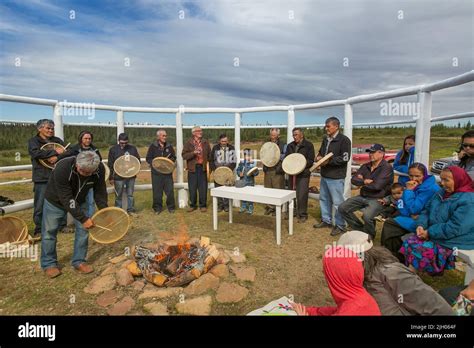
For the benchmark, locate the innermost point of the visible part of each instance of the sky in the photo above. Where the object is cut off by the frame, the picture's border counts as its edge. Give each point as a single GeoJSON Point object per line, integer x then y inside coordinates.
{"type": "Point", "coordinates": [209, 53]}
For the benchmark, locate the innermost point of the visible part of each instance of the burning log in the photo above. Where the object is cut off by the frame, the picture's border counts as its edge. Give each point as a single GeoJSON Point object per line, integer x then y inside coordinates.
{"type": "Point", "coordinates": [181, 279]}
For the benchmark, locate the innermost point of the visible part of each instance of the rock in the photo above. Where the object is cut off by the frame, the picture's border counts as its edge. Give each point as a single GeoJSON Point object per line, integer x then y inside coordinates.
{"type": "Point", "coordinates": [160, 293]}
{"type": "Point", "coordinates": [202, 284]}
{"type": "Point", "coordinates": [220, 270]}
{"type": "Point", "coordinates": [195, 306]}
{"type": "Point", "coordinates": [223, 258]}
{"type": "Point", "coordinates": [101, 284]}
{"type": "Point", "coordinates": [236, 257]}
{"type": "Point", "coordinates": [230, 293]}
{"type": "Point", "coordinates": [138, 285]}
{"type": "Point", "coordinates": [122, 307]}
{"type": "Point", "coordinates": [118, 259]}
{"type": "Point", "coordinates": [107, 298]}
{"type": "Point", "coordinates": [126, 263]}
{"type": "Point", "coordinates": [108, 270]}
{"type": "Point", "coordinates": [244, 273]}
{"type": "Point", "coordinates": [156, 308]}
{"type": "Point", "coordinates": [124, 277]}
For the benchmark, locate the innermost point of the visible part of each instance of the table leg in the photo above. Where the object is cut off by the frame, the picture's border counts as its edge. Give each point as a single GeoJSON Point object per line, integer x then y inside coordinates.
{"type": "Point", "coordinates": [278, 224]}
{"type": "Point", "coordinates": [230, 210]}
{"type": "Point", "coordinates": [214, 212]}
{"type": "Point", "coordinates": [290, 217]}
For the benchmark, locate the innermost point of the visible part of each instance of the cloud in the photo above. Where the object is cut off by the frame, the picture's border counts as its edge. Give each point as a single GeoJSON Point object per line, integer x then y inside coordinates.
{"type": "Point", "coordinates": [288, 52]}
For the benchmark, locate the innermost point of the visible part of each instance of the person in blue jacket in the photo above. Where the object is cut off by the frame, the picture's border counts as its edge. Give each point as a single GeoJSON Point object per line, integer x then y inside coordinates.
{"type": "Point", "coordinates": [419, 190]}
{"type": "Point", "coordinates": [242, 170]}
{"type": "Point", "coordinates": [405, 158]}
{"type": "Point", "coordinates": [445, 225]}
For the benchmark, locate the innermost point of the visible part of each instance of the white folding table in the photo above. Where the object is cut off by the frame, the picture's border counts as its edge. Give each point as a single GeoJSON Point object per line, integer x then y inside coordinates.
{"type": "Point", "coordinates": [256, 194]}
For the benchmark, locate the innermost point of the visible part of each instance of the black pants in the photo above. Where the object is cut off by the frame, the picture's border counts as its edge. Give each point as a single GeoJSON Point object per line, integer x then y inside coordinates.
{"type": "Point", "coordinates": [302, 191]}
{"type": "Point", "coordinates": [162, 183]}
{"type": "Point", "coordinates": [222, 203]}
{"type": "Point", "coordinates": [392, 234]}
{"type": "Point", "coordinates": [197, 181]}
{"type": "Point", "coordinates": [451, 293]}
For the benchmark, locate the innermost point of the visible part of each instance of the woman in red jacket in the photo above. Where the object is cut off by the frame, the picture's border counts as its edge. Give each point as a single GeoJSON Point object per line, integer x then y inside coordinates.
{"type": "Point", "coordinates": [344, 274]}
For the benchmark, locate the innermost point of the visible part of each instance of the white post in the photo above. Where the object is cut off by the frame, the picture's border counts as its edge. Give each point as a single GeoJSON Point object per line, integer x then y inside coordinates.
{"type": "Point", "coordinates": [348, 116]}
{"type": "Point", "coordinates": [237, 124]}
{"type": "Point", "coordinates": [290, 124]}
{"type": "Point", "coordinates": [423, 128]}
{"type": "Point", "coordinates": [120, 122]}
{"type": "Point", "coordinates": [58, 122]}
{"type": "Point", "coordinates": [182, 193]}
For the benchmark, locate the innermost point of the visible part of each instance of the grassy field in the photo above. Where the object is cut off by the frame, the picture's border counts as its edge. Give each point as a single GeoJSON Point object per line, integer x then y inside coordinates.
{"type": "Point", "coordinates": [294, 268]}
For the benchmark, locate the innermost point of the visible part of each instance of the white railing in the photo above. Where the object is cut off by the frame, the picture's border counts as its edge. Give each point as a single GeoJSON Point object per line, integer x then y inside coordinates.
{"type": "Point", "coordinates": [423, 120]}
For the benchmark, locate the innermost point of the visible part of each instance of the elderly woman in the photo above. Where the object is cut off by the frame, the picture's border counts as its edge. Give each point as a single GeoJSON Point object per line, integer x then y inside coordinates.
{"type": "Point", "coordinates": [345, 276]}
{"type": "Point", "coordinates": [446, 224]}
{"type": "Point", "coordinates": [419, 190]}
{"type": "Point", "coordinates": [396, 289]}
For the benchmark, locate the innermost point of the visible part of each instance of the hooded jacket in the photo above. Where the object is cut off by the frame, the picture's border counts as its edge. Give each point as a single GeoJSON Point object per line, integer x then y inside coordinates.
{"type": "Point", "coordinates": [67, 189]}
{"type": "Point", "coordinates": [413, 202]}
{"type": "Point", "coordinates": [345, 277]}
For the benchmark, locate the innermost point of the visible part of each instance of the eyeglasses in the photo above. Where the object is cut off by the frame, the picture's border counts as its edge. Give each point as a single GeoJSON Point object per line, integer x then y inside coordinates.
{"type": "Point", "coordinates": [468, 145]}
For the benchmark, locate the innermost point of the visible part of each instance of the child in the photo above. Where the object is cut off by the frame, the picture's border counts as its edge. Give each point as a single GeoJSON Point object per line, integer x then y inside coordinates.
{"type": "Point", "coordinates": [242, 170]}
{"type": "Point", "coordinates": [391, 202]}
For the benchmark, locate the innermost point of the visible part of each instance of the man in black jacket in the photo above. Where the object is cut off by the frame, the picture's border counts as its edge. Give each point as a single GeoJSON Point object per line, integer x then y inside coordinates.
{"type": "Point", "coordinates": [116, 151]}
{"type": "Point", "coordinates": [40, 173]}
{"type": "Point", "coordinates": [275, 176]}
{"type": "Point", "coordinates": [333, 174]}
{"type": "Point", "coordinates": [161, 182]}
{"type": "Point", "coordinates": [300, 183]}
{"type": "Point", "coordinates": [222, 155]}
{"type": "Point", "coordinates": [374, 179]}
{"type": "Point", "coordinates": [84, 143]}
{"type": "Point", "coordinates": [66, 192]}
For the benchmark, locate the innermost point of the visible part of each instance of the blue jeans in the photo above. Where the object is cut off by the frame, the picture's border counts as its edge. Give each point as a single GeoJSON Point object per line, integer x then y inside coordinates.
{"type": "Point", "coordinates": [90, 203]}
{"type": "Point", "coordinates": [369, 207]}
{"type": "Point", "coordinates": [331, 195]}
{"type": "Point", "coordinates": [129, 186]}
{"type": "Point", "coordinates": [247, 206]}
{"type": "Point", "coordinates": [39, 188]}
{"type": "Point", "coordinates": [52, 217]}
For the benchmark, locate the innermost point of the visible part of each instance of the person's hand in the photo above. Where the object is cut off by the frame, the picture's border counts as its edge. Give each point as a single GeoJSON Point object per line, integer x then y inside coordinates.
{"type": "Point", "coordinates": [410, 185]}
{"type": "Point", "coordinates": [381, 201]}
{"type": "Point", "coordinates": [368, 181]}
{"type": "Point", "coordinates": [461, 154]}
{"type": "Point", "coordinates": [299, 308]}
{"type": "Point", "coordinates": [59, 150]}
{"type": "Point", "coordinates": [421, 233]}
{"type": "Point", "coordinates": [88, 224]}
{"type": "Point", "coordinates": [53, 159]}
{"type": "Point", "coordinates": [359, 176]}
{"type": "Point", "coordinates": [111, 181]}
{"type": "Point", "coordinates": [242, 174]}
{"type": "Point", "coordinates": [469, 291]}
{"type": "Point", "coordinates": [318, 157]}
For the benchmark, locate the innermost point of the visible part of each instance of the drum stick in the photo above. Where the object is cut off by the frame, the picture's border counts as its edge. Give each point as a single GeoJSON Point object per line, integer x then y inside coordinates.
{"type": "Point", "coordinates": [104, 228]}
{"type": "Point", "coordinates": [65, 147]}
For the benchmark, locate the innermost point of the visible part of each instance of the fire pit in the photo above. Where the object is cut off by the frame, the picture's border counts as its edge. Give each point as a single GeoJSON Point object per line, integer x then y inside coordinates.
{"type": "Point", "coordinates": [174, 265]}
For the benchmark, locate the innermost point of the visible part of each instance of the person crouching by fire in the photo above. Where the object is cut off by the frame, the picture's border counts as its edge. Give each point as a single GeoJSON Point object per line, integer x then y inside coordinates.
{"type": "Point", "coordinates": [66, 192]}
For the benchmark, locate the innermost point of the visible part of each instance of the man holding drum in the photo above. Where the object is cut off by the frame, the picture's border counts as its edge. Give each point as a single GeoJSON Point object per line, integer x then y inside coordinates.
{"type": "Point", "coordinates": [161, 181]}
{"type": "Point", "coordinates": [123, 148]}
{"type": "Point", "coordinates": [222, 155]}
{"type": "Point", "coordinates": [274, 176]}
{"type": "Point", "coordinates": [300, 182]}
{"type": "Point", "coordinates": [41, 173]}
{"type": "Point", "coordinates": [197, 152]}
{"type": "Point", "coordinates": [66, 192]}
{"type": "Point", "coordinates": [333, 174]}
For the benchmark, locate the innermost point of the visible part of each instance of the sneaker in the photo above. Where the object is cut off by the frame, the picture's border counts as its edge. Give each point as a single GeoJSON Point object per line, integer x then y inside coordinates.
{"type": "Point", "coordinates": [226, 209]}
{"type": "Point", "coordinates": [191, 209]}
{"type": "Point", "coordinates": [302, 220]}
{"type": "Point", "coordinates": [250, 212]}
{"type": "Point", "coordinates": [132, 213]}
{"type": "Point", "coordinates": [241, 211]}
{"type": "Point", "coordinates": [220, 209]}
{"type": "Point", "coordinates": [267, 211]}
{"type": "Point", "coordinates": [322, 224]}
{"type": "Point", "coordinates": [52, 272]}
{"type": "Point", "coordinates": [171, 211]}
{"type": "Point", "coordinates": [84, 268]}
{"type": "Point", "coordinates": [203, 210]}
{"type": "Point", "coordinates": [157, 212]}
{"type": "Point", "coordinates": [337, 231]}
